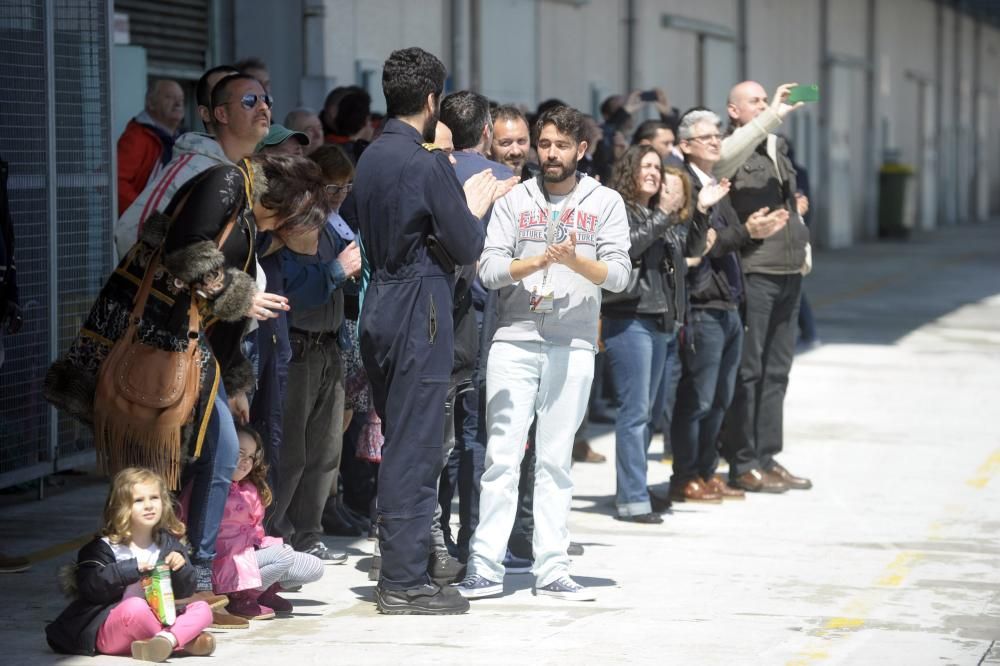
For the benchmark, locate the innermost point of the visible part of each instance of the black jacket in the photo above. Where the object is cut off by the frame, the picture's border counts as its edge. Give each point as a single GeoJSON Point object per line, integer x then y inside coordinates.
{"type": "Point", "coordinates": [757, 184]}
{"type": "Point", "coordinates": [100, 585]}
{"type": "Point", "coordinates": [717, 282]}
{"type": "Point", "coordinates": [8, 273]}
{"type": "Point", "coordinates": [659, 246]}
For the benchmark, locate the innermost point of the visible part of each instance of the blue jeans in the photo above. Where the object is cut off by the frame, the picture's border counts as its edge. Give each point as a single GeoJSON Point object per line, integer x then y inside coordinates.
{"type": "Point", "coordinates": [636, 350]}
{"type": "Point", "coordinates": [210, 477]}
{"type": "Point", "coordinates": [711, 359]}
{"type": "Point", "coordinates": [665, 392]}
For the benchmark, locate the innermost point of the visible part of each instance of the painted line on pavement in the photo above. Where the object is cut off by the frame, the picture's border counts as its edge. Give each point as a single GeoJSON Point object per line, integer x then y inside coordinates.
{"type": "Point", "coordinates": [986, 471]}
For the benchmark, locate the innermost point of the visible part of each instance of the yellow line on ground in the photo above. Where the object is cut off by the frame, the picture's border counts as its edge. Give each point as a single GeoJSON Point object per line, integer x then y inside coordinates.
{"type": "Point", "coordinates": [59, 549]}
{"type": "Point", "coordinates": [986, 471]}
{"type": "Point", "coordinates": [898, 569]}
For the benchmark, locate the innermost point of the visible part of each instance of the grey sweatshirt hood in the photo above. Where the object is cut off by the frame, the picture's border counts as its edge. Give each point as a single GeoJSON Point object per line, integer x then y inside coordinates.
{"type": "Point", "coordinates": [517, 230]}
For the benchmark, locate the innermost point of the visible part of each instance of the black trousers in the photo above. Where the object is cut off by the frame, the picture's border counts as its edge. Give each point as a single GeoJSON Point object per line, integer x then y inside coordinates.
{"type": "Point", "coordinates": [752, 430]}
{"type": "Point", "coordinates": [407, 344]}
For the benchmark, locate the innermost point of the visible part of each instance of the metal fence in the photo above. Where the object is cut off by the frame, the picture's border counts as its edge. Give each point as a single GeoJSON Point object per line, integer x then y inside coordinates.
{"type": "Point", "coordinates": [55, 135]}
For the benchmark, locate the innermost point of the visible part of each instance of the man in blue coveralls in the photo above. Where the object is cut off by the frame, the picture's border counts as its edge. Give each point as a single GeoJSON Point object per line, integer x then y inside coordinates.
{"type": "Point", "coordinates": [415, 227]}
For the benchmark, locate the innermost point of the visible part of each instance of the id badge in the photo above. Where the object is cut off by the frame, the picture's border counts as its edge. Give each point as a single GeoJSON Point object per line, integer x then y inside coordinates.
{"type": "Point", "coordinates": [540, 301]}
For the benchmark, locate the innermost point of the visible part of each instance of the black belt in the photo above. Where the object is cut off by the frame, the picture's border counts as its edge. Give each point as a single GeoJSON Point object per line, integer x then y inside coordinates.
{"type": "Point", "coordinates": [315, 337]}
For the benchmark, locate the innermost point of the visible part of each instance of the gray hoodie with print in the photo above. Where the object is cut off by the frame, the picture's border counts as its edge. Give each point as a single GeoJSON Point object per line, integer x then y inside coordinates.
{"type": "Point", "coordinates": [517, 230]}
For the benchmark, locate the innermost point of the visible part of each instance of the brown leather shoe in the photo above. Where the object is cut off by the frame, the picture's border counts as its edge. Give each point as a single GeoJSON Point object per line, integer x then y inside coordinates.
{"type": "Point", "coordinates": [694, 491]}
{"type": "Point", "coordinates": [583, 453]}
{"type": "Point", "coordinates": [224, 620]}
{"type": "Point", "coordinates": [792, 481]}
{"type": "Point", "coordinates": [203, 645]}
{"type": "Point", "coordinates": [215, 601]}
{"type": "Point", "coordinates": [720, 487]}
{"type": "Point", "coordinates": [756, 481]}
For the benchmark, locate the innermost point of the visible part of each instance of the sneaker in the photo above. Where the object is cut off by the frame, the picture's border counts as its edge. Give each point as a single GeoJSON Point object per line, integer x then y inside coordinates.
{"type": "Point", "coordinates": [444, 568]}
{"type": "Point", "coordinates": [566, 588]}
{"type": "Point", "coordinates": [270, 598]}
{"type": "Point", "coordinates": [326, 555]}
{"type": "Point", "coordinates": [156, 649]}
{"type": "Point", "coordinates": [203, 645]}
{"type": "Point", "coordinates": [516, 565]}
{"type": "Point", "coordinates": [423, 600]}
{"type": "Point", "coordinates": [477, 587]}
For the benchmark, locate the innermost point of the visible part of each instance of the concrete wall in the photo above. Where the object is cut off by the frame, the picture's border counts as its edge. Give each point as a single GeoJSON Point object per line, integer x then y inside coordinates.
{"type": "Point", "coordinates": [924, 101]}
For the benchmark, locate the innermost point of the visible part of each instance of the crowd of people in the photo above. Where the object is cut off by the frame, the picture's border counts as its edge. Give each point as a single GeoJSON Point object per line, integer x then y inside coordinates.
{"type": "Point", "coordinates": [383, 312]}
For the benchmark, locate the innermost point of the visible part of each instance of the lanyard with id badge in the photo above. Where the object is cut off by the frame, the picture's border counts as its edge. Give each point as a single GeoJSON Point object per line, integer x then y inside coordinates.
{"type": "Point", "coordinates": [541, 299]}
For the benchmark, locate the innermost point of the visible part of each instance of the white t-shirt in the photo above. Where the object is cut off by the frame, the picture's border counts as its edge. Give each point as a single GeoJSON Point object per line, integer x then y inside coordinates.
{"type": "Point", "coordinates": [143, 556]}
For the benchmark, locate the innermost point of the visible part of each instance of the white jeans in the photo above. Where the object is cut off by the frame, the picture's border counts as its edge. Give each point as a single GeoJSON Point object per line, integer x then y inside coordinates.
{"type": "Point", "coordinates": [528, 382]}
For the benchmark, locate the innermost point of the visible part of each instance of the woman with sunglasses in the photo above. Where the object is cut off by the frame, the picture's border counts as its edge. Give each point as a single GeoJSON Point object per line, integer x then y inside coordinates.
{"type": "Point", "coordinates": [639, 324]}
{"type": "Point", "coordinates": [202, 248]}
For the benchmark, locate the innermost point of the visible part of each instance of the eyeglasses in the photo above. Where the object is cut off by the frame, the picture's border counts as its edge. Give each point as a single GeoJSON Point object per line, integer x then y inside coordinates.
{"type": "Point", "coordinates": [337, 189]}
{"type": "Point", "coordinates": [706, 138]}
{"type": "Point", "coordinates": [249, 101]}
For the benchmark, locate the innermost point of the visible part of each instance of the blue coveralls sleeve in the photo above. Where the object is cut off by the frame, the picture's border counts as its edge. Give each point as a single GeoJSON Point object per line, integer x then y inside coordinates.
{"type": "Point", "coordinates": [501, 242]}
{"type": "Point", "coordinates": [458, 231]}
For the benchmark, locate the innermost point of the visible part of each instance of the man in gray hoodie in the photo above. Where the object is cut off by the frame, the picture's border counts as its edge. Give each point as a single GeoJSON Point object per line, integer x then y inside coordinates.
{"type": "Point", "coordinates": [552, 244]}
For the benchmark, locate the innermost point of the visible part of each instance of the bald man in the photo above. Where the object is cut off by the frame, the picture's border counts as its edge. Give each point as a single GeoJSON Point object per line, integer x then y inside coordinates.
{"type": "Point", "coordinates": [147, 143]}
{"type": "Point", "coordinates": [762, 177]}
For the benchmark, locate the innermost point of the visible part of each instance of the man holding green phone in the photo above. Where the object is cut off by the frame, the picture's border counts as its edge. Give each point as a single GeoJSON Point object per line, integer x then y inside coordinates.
{"type": "Point", "coordinates": [798, 94]}
{"type": "Point", "coordinates": [762, 177]}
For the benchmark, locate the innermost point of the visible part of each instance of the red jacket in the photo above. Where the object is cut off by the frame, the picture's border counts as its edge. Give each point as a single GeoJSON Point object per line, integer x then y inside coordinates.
{"type": "Point", "coordinates": [140, 154]}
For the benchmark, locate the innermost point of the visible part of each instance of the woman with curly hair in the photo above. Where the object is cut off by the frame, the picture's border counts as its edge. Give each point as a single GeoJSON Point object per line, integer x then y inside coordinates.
{"type": "Point", "coordinates": [640, 323]}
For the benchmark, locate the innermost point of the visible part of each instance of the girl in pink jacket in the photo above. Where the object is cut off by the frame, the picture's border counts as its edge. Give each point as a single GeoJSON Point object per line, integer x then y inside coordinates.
{"type": "Point", "coordinates": [251, 567]}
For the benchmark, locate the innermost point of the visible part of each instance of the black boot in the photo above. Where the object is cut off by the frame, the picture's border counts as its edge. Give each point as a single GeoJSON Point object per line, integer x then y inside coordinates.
{"type": "Point", "coordinates": [428, 599]}
{"type": "Point", "coordinates": [444, 568]}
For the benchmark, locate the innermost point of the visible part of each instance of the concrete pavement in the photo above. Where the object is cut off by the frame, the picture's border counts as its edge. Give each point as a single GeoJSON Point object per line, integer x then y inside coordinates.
{"type": "Point", "coordinates": [893, 557]}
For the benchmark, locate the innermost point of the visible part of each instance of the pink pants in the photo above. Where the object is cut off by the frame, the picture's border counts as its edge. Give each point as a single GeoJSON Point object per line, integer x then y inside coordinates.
{"type": "Point", "coordinates": [134, 620]}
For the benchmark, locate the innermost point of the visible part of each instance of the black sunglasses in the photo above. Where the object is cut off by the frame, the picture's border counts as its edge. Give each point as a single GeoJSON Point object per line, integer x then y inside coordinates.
{"type": "Point", "coordinates": [249, 101]}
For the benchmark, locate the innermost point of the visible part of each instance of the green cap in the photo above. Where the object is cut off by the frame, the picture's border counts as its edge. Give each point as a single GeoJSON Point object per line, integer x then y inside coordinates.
{"type": "Point", "coordinates": [279, 134]}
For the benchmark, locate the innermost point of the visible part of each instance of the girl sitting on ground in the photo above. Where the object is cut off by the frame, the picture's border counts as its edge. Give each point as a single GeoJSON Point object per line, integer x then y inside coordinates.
{"type": "Point", "coordinates": [110, 614]}
{"type": "Point", "coordinates": [251, 567]}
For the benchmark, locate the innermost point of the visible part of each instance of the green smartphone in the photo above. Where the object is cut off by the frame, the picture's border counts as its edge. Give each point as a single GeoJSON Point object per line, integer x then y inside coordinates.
{"type": "Point", "coordinates": [808, 93]}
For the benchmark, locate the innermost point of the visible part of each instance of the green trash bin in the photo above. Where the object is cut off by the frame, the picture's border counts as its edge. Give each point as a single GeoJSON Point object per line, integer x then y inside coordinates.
{"type": "Point", "coordinates": [893, 179]}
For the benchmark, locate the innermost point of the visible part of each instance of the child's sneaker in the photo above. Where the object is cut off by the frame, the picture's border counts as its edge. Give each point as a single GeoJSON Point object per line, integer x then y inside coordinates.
{"type": "Point", "coordinates": [566, 588]}
{"type": "Point", "coordinates": [203, 645]}
{"type": "Point", "coordinates": [245, 605]}
{"type": "Point", "coordinates": [270, 598]}
{"type": "Point", "coordinates": [156, 649]}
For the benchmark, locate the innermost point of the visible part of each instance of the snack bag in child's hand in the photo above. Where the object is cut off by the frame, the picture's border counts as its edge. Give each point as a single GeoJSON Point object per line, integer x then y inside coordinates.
{"type": "Point", "coordinates": [160, 594]}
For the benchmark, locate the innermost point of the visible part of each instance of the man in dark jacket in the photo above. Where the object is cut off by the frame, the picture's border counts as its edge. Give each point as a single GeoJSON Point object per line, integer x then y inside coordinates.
{"type": "Point", "coordinates": [714, 334]}
{"type": "Point", "coordinates": [752, 432]}
{"type": "Point", "coordinates": [10, 310]}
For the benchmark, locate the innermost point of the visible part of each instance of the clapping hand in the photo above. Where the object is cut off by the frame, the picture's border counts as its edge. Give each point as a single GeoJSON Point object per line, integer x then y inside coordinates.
{"type": "Point", "coordinates": [710, 239]}
{"type": "Point", "coordinates": [765, 223]}
{"type": "Point", "coordinates": [712, 194]}
{"type": "Point", "coordinates": [481, 190]}
{"type": "Point", "coordinates": [350, 260]}
{"type": "Point", "coordinates": [562, 253]}
{"type": "Point", "coordinates": [801, 203]}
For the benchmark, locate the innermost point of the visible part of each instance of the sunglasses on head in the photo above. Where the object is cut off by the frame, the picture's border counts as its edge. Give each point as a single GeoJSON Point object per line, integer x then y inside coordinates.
{"type": "Point", "coordinates": [337, 189]}
{"type": "Point", "coordinates": [249, 101]}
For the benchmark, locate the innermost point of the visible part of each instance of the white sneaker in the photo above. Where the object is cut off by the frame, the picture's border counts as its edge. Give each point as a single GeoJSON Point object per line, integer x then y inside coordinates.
{"type": "Point", "coordinates": [566, 588]}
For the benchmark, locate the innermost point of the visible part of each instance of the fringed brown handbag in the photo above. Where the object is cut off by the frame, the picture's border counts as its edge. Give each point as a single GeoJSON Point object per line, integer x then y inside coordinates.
{"type": "Point", "coordinates": [145, 395]}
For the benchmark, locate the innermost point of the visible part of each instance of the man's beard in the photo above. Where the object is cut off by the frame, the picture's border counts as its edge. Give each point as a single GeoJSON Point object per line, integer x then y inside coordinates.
{"type": "Point", "coordinates": [430, 126]}
{"type": "Point", "coordinates": [565, 171]}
